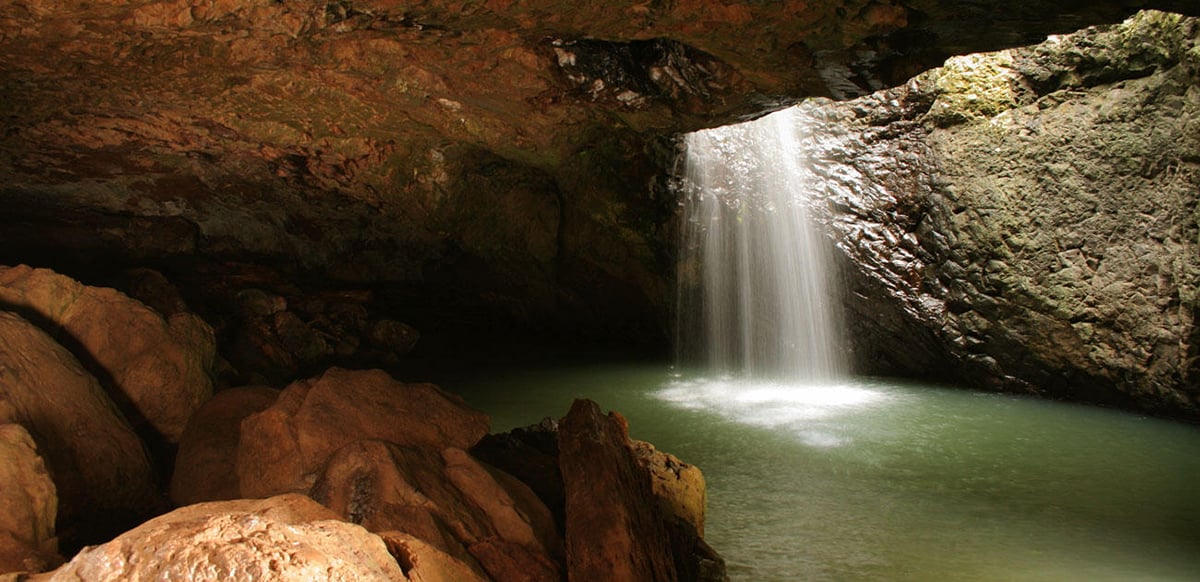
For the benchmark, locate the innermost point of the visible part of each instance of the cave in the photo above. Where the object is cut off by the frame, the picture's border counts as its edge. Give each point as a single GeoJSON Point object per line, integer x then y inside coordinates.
{"type": "Point", "coordinates": [368, 274]}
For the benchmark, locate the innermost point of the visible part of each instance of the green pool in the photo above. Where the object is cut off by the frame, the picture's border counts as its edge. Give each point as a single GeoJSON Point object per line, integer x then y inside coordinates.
{"type": "Point", "coordinates": [875, 479]}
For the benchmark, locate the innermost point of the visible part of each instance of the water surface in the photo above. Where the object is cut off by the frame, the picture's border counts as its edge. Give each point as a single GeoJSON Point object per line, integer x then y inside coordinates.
{"type": "Point", "coordinates": [882, 480]}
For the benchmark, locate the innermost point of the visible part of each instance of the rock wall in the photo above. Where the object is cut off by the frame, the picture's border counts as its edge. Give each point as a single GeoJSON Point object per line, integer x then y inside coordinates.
{"type": "Point", "coordinates": [1027, 219]}
{"type": "Point", "coordinates": [491, 161]}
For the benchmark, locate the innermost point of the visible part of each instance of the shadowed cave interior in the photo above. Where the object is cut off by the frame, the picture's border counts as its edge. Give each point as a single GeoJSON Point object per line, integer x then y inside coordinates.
{"type": "Point", "coordinates": [315, 271]}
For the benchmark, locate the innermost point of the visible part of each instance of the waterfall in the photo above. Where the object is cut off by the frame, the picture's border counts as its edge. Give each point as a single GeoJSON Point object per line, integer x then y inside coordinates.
{"type": "Point", "coordinates": [754, 274]}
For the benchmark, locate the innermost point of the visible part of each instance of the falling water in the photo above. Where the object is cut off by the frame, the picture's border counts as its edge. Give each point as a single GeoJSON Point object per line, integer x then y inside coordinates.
{"type": "Point", "coordinates": [754, 278]}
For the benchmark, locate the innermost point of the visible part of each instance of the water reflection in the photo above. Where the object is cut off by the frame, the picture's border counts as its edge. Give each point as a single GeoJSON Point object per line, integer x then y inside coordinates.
{"type": "Point", "coordinates": [815, 413]}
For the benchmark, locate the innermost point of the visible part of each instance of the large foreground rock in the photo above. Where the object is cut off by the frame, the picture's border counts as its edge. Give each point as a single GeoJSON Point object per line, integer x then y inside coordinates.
{"type": "Point", "coordinates": [28, 505]}
{"type": "Point", "coordinates": [289, 538]}
{"type": "Point", "coordinates": [158, 370]}
{"type": "Point", "coordinates": [284, 447]}
{"type": "Point", "coordinates": [99, 466]}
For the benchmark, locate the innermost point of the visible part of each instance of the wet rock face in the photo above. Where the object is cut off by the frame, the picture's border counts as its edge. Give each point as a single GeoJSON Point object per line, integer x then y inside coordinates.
{"type": "Point", "coordinates": [1029, 216]}
{"type": "Point", "coordinates": [499, 156]}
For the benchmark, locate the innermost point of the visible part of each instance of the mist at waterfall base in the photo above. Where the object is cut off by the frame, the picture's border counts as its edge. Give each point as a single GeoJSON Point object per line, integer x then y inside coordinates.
{"type": "Point", "coordinates": [816, 475]}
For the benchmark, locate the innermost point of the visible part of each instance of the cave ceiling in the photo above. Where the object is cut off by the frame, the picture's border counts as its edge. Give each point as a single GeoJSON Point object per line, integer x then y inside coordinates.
{"type": "Point", "coordinates": [508, 149]}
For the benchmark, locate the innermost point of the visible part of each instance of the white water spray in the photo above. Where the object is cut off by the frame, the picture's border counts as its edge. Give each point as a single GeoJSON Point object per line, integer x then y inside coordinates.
{"type": "Point", "coordinates": [754, 281]}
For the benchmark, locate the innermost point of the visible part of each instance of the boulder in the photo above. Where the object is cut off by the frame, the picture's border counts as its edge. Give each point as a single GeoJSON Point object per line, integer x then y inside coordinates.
{"type": "Point", "coordinates": [488, 521]}
{"type": "Point", "coordinates": [681, 495]}
{"type": "Point", "coordinates": [158, 370]}
{"type": "Point", "coordinates": [283, 447]}
{"type": "Point", "coordinates": [206, 463]}
{"type": "Point", "coordinates": [153, 289]}
{"type": "Point", "coordinates": [282, 539]}
{"type": "Point", "coordinates": [529, 454]}
{"type": "Point", "coordinates": [677, 486]}
{"type": "Point", "coordinates": [387, 488]}
{"type": "Point", "coordinates": [28, 505]}
{"type": "Point", "coordinates": [615, 530]}
{"type": "Point", "coordinates": [395, 336]}
{"type": "Point", "coordinates": [676, 490]}
{"type": "Point", "coordinates": [423, 562]}
{"type": "Point", "coordinates": [98, 465]}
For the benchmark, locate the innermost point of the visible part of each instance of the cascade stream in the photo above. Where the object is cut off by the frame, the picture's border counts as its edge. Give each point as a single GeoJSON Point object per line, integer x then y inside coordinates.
{"type": "Point", "coordinates": [755, 289]}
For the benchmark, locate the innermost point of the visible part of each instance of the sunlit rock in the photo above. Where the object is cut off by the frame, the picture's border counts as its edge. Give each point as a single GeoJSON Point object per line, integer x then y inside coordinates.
{"type": "Point", "coordinates": [678, 486]}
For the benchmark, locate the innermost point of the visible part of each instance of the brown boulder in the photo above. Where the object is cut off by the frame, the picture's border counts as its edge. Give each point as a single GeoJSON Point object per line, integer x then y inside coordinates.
{"type": "Point", "coordinates": [288, 538]}
{"type": "Point", "coordinates": [98, 465]}
{"type": "Point", "coordinates": [615, 531]}
{"type": "Point", "coordinates": [384, 487]}
{"type": "Point", "coordinates": [28, 505]}
{"type": "Point", "coordinates": [284, 447]}
{"type": "Point", "coordinates": [206, 463]}
{"type": "Point", "coordinates": [158, 370]}
{"type": "Point", "coordinates": [484, 519]}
